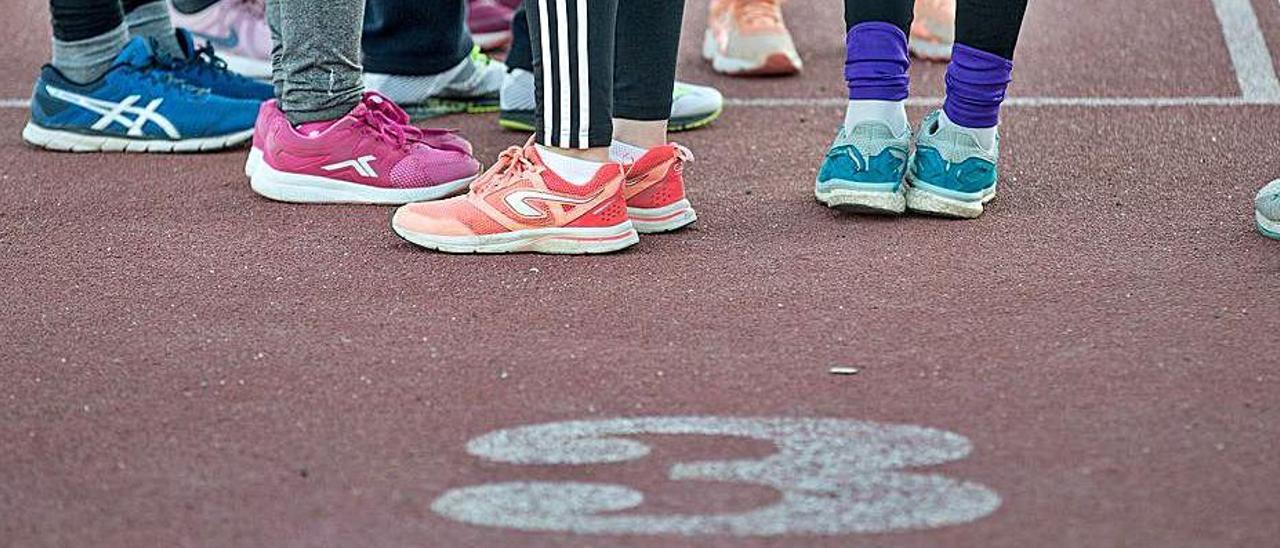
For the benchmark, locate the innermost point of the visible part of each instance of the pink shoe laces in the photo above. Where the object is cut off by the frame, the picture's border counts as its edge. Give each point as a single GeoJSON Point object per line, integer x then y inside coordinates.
{"type": "Point", "coordinates": [432, 137]}
{"type": "Point", "coordinates": [512, 165]}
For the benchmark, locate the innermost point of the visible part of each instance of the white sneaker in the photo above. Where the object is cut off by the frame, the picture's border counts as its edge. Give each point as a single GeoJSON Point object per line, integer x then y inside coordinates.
{"type": "Point", "coordinates": [471, 86]}
{"type": "Point", "coordinates": [692, 106]}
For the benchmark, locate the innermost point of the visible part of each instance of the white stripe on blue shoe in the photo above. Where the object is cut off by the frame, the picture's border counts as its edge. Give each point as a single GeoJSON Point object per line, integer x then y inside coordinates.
{"type": "Point", "coordinates": [137, 106]}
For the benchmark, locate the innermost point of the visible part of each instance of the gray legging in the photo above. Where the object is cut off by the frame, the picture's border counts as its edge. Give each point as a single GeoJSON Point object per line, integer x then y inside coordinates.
{"type": "Point", "coordinates": [316, 56]}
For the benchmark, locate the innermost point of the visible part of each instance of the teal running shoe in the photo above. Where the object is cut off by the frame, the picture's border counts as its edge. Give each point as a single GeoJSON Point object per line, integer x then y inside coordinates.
{"type": "Point", "coordinates": [863, 170]}
{"type": "Point", "coordinates": [950, 174]}
{"type": "Point", "coordinates": [1266, 209]}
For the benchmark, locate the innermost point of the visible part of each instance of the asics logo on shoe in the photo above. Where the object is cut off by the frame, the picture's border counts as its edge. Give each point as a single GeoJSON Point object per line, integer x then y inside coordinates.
{"type": "Point", "coordinates": [115, 113]}
{"type": "Point", "coordinates": [360, 165]}
{"type": "Point", "coordinates": [519, 201]}
{"type": "Point", "coordinates": [222, 42]}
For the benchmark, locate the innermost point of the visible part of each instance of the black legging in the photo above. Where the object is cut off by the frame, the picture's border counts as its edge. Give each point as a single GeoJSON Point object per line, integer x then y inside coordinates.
{"type": "Point", "coordinates": [989, 25]}
{"type": "Point", "coordinates": [415, 37]}
{"type": "Point", "coordinates": [643, 34]}
{"type": "Point", "coordinates": [80, 19]}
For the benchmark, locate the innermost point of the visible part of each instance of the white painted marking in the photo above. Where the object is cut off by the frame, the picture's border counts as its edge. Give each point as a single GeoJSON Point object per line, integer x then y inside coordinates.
{"type": "Point", "coordinates": [1255, 70]}
{"type": "Point", "coordinates": [1024, 102]}
{"type": "Point", "coordinates": [835, 477]}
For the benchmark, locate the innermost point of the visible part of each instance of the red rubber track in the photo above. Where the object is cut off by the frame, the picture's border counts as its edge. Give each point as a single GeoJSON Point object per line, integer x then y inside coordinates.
{"type": "Point", "coordinates": [185, 363]}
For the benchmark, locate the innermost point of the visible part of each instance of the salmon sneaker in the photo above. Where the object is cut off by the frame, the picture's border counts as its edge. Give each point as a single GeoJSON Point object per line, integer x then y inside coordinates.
{"type": "Point", "coordinates": [654, 190]}
{"type": "Point", "coordinates": [520, 205]}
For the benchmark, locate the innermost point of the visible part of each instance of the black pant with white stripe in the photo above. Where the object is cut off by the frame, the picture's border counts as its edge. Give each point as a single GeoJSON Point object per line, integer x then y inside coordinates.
{"type": "Point", "coordinates": [596, 60]}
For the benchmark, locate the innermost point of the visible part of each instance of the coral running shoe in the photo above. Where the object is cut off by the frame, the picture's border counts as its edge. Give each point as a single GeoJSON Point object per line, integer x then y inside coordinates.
{"type": "Point", "coordinates": [237, 29]}
{"type": "Point", "coordinates": [520, 205]}
{"type": "Point", "coordinates": [365, 157]}
{"type": "Point", "coordinates": [490, 23]}
{"type": "Point", "coordinates": [749, 38]}
{"type": "Point", "coordinates": [934, 30]}
{"type": "Point", "coordinates": [654, 190]}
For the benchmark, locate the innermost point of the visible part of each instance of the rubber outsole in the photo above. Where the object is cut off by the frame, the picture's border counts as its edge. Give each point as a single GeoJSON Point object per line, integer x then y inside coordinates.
{"type": "Point", "coordinates": [68, 141]}
{"type": "Point", "coordinates": [490, 41]}
{"type": "Point", "coordinates": [774, 64]}
{"type": "Point", "coordinates": [309, 189]}
{"type": "Point", "coordinates": [522, 121]}
{"type": "Point", "coordinates": [921, 200]}
{"type": "Point", "coordinates": [662, 219]}
{"type": "Point", "coordinates": [556, 241]}
{"type": "Point", "coordinates": [874, 202]}
{"type": "Point", "coordinates": [929, 51]}
{"type": "Point", "coordinates": [437, 107]}
{"type": "Point", "coordinates": [1267, 227]}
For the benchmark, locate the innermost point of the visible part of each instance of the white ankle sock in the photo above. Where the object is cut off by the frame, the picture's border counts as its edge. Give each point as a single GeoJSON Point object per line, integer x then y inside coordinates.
{"type": "Point", "coordinates": [986, 136]}
{"type": "Point", "coordinates": [893, 113]}
{"type": "Point", "coordinates": [574, 170]}
{"type": "Point", "coordinates": [625, 153]}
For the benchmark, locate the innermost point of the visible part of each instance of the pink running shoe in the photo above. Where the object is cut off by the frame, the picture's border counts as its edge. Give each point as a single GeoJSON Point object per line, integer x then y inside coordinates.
{"type": "Point", "coordinates": [490, 23]}
{"type": "Point", "coordinates": [445, 139]}
{"type": "Point", "coordinates": [237, 29]}
{"type": "Point", "coordinates": [364, 157]}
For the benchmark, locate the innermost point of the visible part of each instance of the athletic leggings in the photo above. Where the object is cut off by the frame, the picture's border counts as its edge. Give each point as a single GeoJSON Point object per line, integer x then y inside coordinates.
{"type": "Point", "coordinates": [80, 19]}
{"type": "Point", "coordinates": [988, 25]}
{"type": "Point", "coordinates": [580, 87]}
{"type": "Point", "coordinates": [315, 57]}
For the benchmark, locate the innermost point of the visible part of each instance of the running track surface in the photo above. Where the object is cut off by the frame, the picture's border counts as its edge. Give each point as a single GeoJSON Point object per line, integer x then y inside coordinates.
{"type": "Point", "coordinates": [185, 363]}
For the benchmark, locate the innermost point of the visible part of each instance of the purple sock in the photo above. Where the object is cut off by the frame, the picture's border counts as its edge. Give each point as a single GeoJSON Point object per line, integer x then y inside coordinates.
{"type": "Point", "coordinates": [976, 84]}
{"type": "Point", "coordinates": [876, 62]}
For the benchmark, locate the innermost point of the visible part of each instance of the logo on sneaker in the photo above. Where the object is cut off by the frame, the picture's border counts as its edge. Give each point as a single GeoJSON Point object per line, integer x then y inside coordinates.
{"type": "Point", "coordinates": [519, 201]}
{"type": "Point", "coordinates": [360, 165]}
{"type": "Point", "coordinates": [221, 42]}
{"type": "Point", "coordinates": [115, 113]}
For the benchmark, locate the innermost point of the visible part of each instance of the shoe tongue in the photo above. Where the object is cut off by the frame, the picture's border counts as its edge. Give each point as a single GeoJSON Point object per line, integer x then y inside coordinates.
{"type": "Point", "coordinates": [380, 103]}
{"type": "Point", "coordinates": [186, 42]}
{"type": "Point", "coordinates": [136, 53]}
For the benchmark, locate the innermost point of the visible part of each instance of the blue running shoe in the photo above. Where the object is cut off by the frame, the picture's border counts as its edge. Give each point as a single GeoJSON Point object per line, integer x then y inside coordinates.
{"type": "Point", "coordinates": [950, 174]}
{"type": "Point", "coordinates": [1266, 208]}
{"type": "Point", "coordinates": [204, 69]}
{"type": "Point", "coordinates": [863, 170]}
{"type": "Point", "coordinates": [137, 106]}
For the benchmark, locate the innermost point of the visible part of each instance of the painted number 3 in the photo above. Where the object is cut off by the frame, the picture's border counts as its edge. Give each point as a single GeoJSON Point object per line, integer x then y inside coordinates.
{"type": "Point", "coordinates": [835, 476]}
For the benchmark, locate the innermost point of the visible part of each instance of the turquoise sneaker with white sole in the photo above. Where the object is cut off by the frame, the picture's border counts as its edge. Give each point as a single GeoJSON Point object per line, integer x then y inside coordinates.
{"type": "Point", "coordinates": [950, 174]}
{"type": "Point", "coordinates": [1266, 208]}
{"type": "Point", "coordinates": [863, 170]}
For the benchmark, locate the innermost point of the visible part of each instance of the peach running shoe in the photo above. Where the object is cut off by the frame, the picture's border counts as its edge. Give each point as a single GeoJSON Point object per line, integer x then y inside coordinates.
{"type": "Point", "coordinates": [749, 38]}
{"type": "Point", "coordinates": [654, 190]}
{"type": "Point", "coordinates": [934, 30]}
{"type": "Point", "coordinates": [520, 205]}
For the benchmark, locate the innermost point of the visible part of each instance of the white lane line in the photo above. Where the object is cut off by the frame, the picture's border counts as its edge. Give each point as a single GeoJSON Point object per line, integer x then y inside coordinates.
{"type": "Point", "coordinates": [1085, 102]}
{"type": "Point", "coordinates": [1249, 54]}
